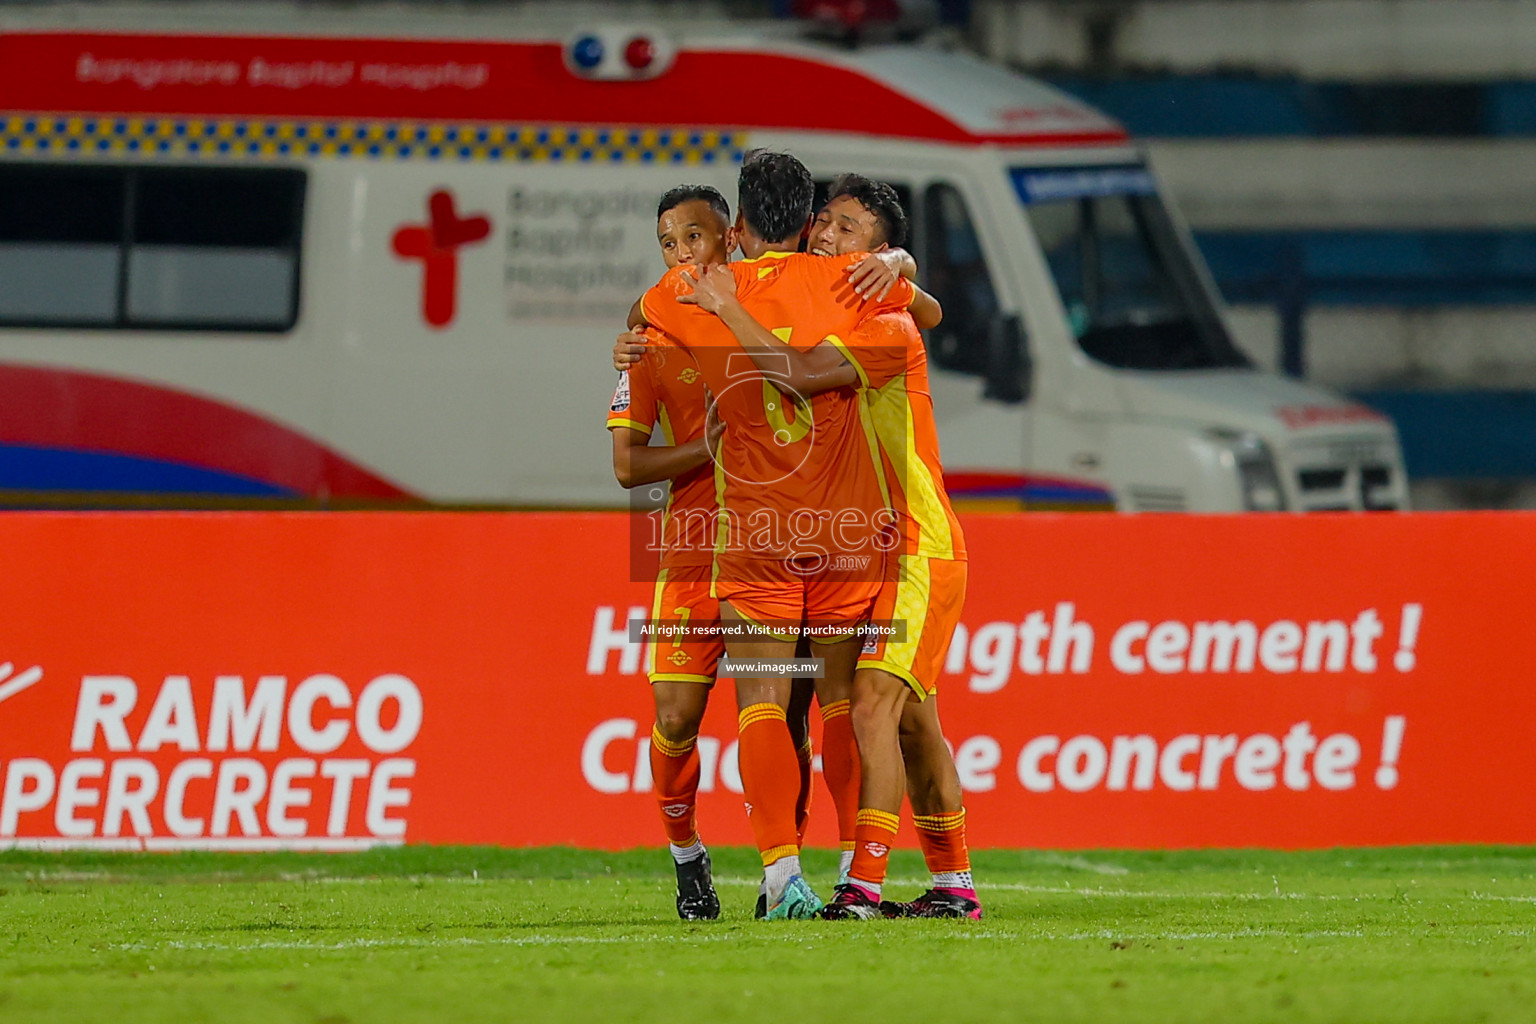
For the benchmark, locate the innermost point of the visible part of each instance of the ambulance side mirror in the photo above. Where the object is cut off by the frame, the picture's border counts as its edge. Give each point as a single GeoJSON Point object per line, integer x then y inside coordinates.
{"type": "Point", "coordinates": [1009, 370]}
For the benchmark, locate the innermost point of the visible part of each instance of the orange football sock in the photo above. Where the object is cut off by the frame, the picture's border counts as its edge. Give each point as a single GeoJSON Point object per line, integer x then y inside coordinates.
{"type": "Point", "coordinates": [805, 754]}
{"type": "Point", "coordinates": [675, 777]}
{"type": "Point", "coordinates": [874, 835]}
{"type": "Point", "coordinates": [942, 837]}
{"type": "Point", "coordinates": [840, 767]}
{"type": "Point", "coordinates": [770, 779]}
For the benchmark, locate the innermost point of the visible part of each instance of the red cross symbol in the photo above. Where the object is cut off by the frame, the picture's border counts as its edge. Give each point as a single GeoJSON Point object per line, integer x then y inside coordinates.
{"type": "Point", "coordinates": [437, 244]}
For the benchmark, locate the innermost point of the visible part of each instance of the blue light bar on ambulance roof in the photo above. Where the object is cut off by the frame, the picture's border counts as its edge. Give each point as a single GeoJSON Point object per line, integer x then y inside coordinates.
{"type": "Point", "coordinates": [1056, 185]}
{"type": "Point", "coordinates": [618, 53]}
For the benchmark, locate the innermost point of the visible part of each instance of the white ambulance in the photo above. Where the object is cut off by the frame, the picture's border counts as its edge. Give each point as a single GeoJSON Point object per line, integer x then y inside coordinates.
{"type": "Point", "coordinates": [340, 263]}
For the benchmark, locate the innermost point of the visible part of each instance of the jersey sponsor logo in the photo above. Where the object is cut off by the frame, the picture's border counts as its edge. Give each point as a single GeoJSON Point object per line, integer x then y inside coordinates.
{"type": "Point", "coordinates": [675, 810]}
{"type": "Point", "coordinates": [877, 849]}
{"type": "Point", "coordinates": [620, 401]}
{"type": "Point", "coordinates": [689, 375]}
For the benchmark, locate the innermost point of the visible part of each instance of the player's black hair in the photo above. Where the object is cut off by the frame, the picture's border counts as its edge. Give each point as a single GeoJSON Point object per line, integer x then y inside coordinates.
{"type": "Point", "coordinates": [775, 194]}
{"type": "Point", "coordinates": [675, 197]}
{"type": "Point", "coordinates": [879, 199]}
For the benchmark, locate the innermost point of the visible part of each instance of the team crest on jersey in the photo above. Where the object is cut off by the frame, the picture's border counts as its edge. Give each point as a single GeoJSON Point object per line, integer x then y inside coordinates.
{"type": "Point", "coordinates": [689, 375]}
{"type": "Point", "coordinates": [877, 849]}
{"type": "Point", "coordinates": [620, 401]}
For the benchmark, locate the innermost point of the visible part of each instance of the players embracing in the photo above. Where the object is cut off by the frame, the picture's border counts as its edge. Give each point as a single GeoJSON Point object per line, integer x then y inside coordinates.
{"type": "Point", "coordinates": [831, 514]}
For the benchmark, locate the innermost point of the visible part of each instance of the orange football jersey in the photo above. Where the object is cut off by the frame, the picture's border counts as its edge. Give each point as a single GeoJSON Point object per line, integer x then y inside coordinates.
{"type": "Point", "coordinates": [795, 477]}
{"type": "Point", "coordinates": [892, 363]}
{"type": "Point", "coordinates": [665, 389]}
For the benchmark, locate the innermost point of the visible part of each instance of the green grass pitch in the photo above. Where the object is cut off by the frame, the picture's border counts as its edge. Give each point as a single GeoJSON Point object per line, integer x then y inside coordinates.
{"type": "Point", "coordinates": [462, 935]}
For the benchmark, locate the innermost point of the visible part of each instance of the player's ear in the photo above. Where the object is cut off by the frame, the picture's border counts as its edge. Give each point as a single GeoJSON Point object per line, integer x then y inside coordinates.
{"type": "Point", "coordinates": [732, 239]}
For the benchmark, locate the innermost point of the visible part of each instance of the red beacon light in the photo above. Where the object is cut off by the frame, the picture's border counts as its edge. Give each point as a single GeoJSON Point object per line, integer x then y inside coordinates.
{"type": "Point", "coordinates": [640, 53]}
{"type": "Point", "coordinates": [618, 53]}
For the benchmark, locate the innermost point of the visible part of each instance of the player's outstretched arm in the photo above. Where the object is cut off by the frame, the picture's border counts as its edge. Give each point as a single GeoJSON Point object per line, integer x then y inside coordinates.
{"type": "Point", "coordinates": [810, 373]}
{"type": "Point", "coordinates": [637, 462]}
{"type": "Point", "coordinates": [876, 274]}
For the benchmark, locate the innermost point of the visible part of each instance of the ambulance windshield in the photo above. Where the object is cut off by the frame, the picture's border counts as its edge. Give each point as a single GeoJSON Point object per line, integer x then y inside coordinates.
{"type": "Point", "coordinates": [1132, 296]}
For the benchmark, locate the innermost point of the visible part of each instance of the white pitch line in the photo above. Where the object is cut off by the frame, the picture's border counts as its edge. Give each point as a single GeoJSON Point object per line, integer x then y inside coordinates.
{"type": "Point", "coordinates": [756, 933]}
{"type": "Point", "coordinates": [235, 844]}
{"type": "Point", "coordinates": [411, 943]}
{"type": "Point", "coordinates": [1153, 894]}
{"type": "Point", "coordinates": [703, 934]}
{"type": "Point", "coordinates": [1068, 890]}
{"type": "Point", "coordinates": [1047, 890]}
{"type": "Point", "coordinates": [1503, 899]}
{"type": "Point", "coordinates": [1084, 864]}
{"type": "Point", "coordinates": [916, 883]}
{"type": "Point", "coordinates": [1239, 933]}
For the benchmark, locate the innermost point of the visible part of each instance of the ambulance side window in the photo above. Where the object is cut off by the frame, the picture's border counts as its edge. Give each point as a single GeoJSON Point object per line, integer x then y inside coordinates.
{"type": "Point", "coordinates": [60, 253]}
{"type": "Point", "coordinates": [955, 270]}
{"type": "Point", "coordinates": [214, 249]}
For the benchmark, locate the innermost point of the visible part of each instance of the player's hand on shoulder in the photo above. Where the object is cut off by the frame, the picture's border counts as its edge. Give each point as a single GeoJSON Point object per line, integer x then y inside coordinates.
{"type": "Point", "coordinates": [629, 349]}
{"type": "Point", "coordinates": [874, 276]}
{"type": "Point", "coordinates": [714, 288]}
{"type": "Point", "coordinates": [688, 280]}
